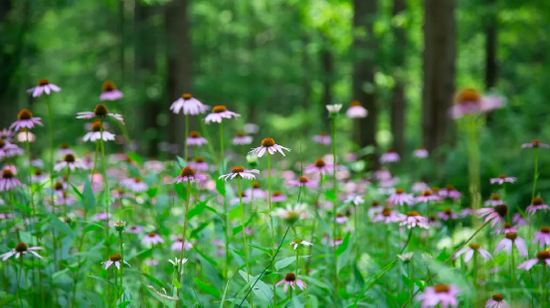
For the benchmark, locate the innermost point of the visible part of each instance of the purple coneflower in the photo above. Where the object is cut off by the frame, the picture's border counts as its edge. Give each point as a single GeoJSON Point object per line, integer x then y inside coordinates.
{"type": "Point", "coordinates": [439, 294]}
{"type": "Point", "coordinates": [297, 242]}
{"type": "Point", "coordinates": [199, 164]}
{"type": "Point", "coordinates": [195, 139]}
{"type": "Point", "coordinates": [64, 149]}
{"type": "Point", "coordinates": [470, 102]}
{"type": "Point", "coordinates": [390, 157]}
{"type": "Point", "coordinates": [96, 133]}
{"type": "Point", "coordinates": [469, 252]}
{"type": "Point", "coordinates": [510, 240]}
{"type": "Point", "coordinates": [387, 216]}
{"type": "Point", "coordinates": [277, 196]}
{"type": "Point", "coordinates": [382, 174]}
{"type": "Point", "coordinates": [336, 242]}
{"type": "Point", "coordinates": [450, 191]}
{"type": "Point", "coordinates": [6, 216]}
{"type": "Point", "coordinates": [318, 166]}
{"type": "Point", "coordinates": [251, 128]}
{"type": "Point", "coordinates": [399, 197]}
{"type": "Point", "coordinates": [322, 138]}
{"type": "Point", "coordinates": [447, 214]}
{"type": "Point", "coordinates": [219, 113]}
{"type": "Point", "coordinates": [100, 112]}
{"type": "Point", "coordinates": [303, 181]}
{"type": "Point", "coordinates": [71, 162]}
{"type": "Point", "coordinates": [420, 152]}
{"type": "Point", "coordinates": [102, 216]}
{"type": "Point", "coordinates": [8, 149]}
{"type": "Point", "coordinates": [268, 145]}
{"type": "Point", "coordinates": [134, 184]}
{"type": "Point", "coordinates": [535, 143]}
{"type": "Point", "coordinates": [25, 120]}
{"type": "Point", "coordinates": [536, 205]}
{"type": "Point", "coordinates": [8, 180]}
{"type": "Point", "coordinates": [20, 250]}
{"type": "Point", "coordinates": [135, 229]}
{"type": "Point", "coordinates": [506, 228]}
{"type": "Point", "coordinates": [38, 176]}
{"type": "Point", "coordinates": [151, 238]}
{"type": "Point", "coordinates": [188, 174]}
{"type": "Point", "coordinates": [44, 86]}
{"type": "Point", "coordinates": [413, 219]}
{"type": "Point", "coordinates": [542, 236]}
{"type": "Point", "coordinates": [495, 214]}
{"type": "Point", "coordinates": [256, 191]}
{"type": "Point", "coordinates": [496, 301]}
{"type": "Point", "coordinates": [426, 196]}
{"type": "Point", "coordinates": [375, 208]}
{"type": "Point", "coordinates": [190, 105]}
{"type": "Point", "coordinates": [419, 187]}
{"type": "Point", "coordinates": [519, 220]}
{"type": "Point", "coordinates": [179, 244]}
{"type": "Point", "coordinates": [110, 92]}
{"type": "Point", "coordinates": [503, 178]}
{"type": "Point", "coordinates": [494, 200]}
{"type": "Point", "coordinates": [341, 218]}
{"type": "Point", "coordinates": [64, 198]}
{"type": "Point", "coordinates": [242, 139]}
{"type": "Point", "coordinates": [543, 258]}
{"type": "Point", "coordinates": [292, 281]}
{"type": "Point", "coordinates": [356, 110]}
{"type": "Point", "coordinates": [290, 214]}
{"type": "Point", "coordinates": [239, 172]}
{"type": "Point", "coordinates": [115, 259]}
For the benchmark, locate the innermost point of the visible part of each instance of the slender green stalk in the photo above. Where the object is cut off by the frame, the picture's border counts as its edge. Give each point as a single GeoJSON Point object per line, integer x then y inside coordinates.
{"type": "Point", "coordinates": [127, 139]}
{"type": "Point", "coordinates": [535, 175]}
{"type": "Point", "coordinates": [243, 220]}
{"type": "Point", "coordinates": [474, 283]}
{"type": "Point", "coordinates": [186, 136]}
{"type": "Point", "coordinates": [271, 222]}
{"type": "Point", "coordinates": [543, 285]}
{"type": "Point", "coordinates": [411, 273]}
{"type": "Point", "coordinates": [225, 207]}
{"type": "Point", "coordinates": [207, 136]}
{"type": "Point", "coordinates": [106, 180]}
{"type": "Point", "coordinates": [513, 276]}
{"type": "Point", "coordinates": [335, 224]}
{"type": "Point", "coordinates": [121, 265]}
{"type": "Point", "coordinates": [183, 235]}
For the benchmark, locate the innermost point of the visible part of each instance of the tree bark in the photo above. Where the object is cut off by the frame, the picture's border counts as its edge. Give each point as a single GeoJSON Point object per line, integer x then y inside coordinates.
{"type": "Point", "coordinates": [491, 68]}
{"type": "Point", "coordinates": [178, 64]}
{"type": "Point", "coordinates": [364, 61]}
{"type": "Point", "coordinates": [439, 70]}
{"type": "Point", "coordinates": [398, 104]}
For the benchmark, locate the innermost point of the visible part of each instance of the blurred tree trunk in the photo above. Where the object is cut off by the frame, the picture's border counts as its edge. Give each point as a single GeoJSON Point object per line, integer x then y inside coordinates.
{"type": "Point", "coordinates": [364, 61]}
{"type": "Point", "coordinates": [328, 72]}
{"type": "Point", "coordinates": [439, 70]}
{"type": "Point", "coordinates": [398, 95]}
{"type": "Point", "coordinates": [178, 64]}
{"type": "Point", "coordinates": [122, 40]}
{"type": "Point", "coordinates": [306, 69]}
{"type": "Point", "coordinates": [491, 68]}
{"type": "Point", "coordinates": [145, 68]}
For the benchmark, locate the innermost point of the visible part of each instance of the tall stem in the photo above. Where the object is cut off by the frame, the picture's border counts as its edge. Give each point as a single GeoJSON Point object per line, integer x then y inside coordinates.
{"type": "Point", "coordinates": [186, 137]}
{"type": "Point", "coordinates": [535, 175]}
{"type": "Point", "coordinates": [271, 222]}
{"type": "Point", "coordinates": [183, 236]}
{"type": "Point", "coordinates": [335, 224]}
{"type": "Point", "coordinates": [102, 146]}
{"type": "Point", "coordinates": [225, 207]}
{"type": "Point", "coordinates": [543, 285]}
{"type": "Point", "coordinates": [513, 274]}
{"type": "Point", "coordinates": [243, 220]}
{"type": "Point", "coordinates": [121, 265]}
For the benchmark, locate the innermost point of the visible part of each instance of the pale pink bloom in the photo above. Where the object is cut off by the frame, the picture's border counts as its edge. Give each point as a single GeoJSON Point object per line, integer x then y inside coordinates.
{"type": "Point", "coordinates": [251, 128]}
{"type": "Point", "coordinates": [322, 138]}
{"type": "Point", "coordinates": [450, 191]}
{"type": "Point", "coordinates": [39, 176]}
{"type": "Point", "coordinates": [134, 184]}
{"type": "Point", "coordinates": [297, 242]}
{"type": "Point", "coordinates": [189, 105]}
{"type": "Point", "coordinates": [44, 86]}
{"type": "Point", "coordinates": [115, 259]}
{"type": "Point", "coordinates": [277, 197]}
{"type": "Point", "coordinates": [390, 157]}
{"type": "Point", "coordinates": [467, 211]}
{"type": "Point", "coordinates": [319, 166]}
{"type": "Point", "coordinates": [503, 178]}
{"type": "Point", "coordinates": [341, 218]}
{"type": "Point", "coordinates": [334, 108]}
{"type": "Point", "coordinates": [494, 200]}
{"type": "Point", "coordinates": [382, 174]}
{"type": "Point", "coordinates": [24, 135]}
{"type": "Point", "coordinates": [399, 197]}
{"type": "Point", "coordinates": [519, 220]}
{"type": "Point", "coordinates": [447, 214]}
{"type": "Point", "coordinates": [356, 110]}
{"type": "Point", "coordinates": [219, 113]}
{"type": "Point", "coordinates": [9, 181]}
{"type": "Point", "coordinates": [509, 241]}
{"type": "Point", "coordinates": [64, 150]}
{"type": "Point", "coordinates": [195, 139]}
{"type": "Point", "coordinates": [241, 139]}
{"type": "Point", "coordinates": [96, 133]}
{"type": "Point", "coordinates": [470, 102]}
{"type": "Point", "coordinates": [536, 205]}
{"type": "Point", "coordinates": [70, 162]}
{"type": "Point", "coordinates": [244, 198]}
{"type": "Point", "coordinates": [268, 145]}
{"type": "Point", "coordinates": [505, 228]}
{"type": "Point", "coordinates": [6, 215]}
{"type": "Point", "coordinates": [292, 281]}
{"type": "Point", "coordinates": [151, 262]}
{"type": "Point", "coordinates": [8, 149]}
{"type": "Point", "coordinates": [241, 173]}
{"type": "Point", "coordinates": [199, 164]}
{"type": "Point", "coordinates": [151, 238]}
{"type": "Point", "coordinates": [543, 237]}
{"type": "Point", "coordinates": [387, 216]}
{"type": "Point", "coordinates": [110, 92]}
{"type": "Point", "coordinates": [288, 175]}
{"type": "Point", "coordinates": [374, 209]}
{"type": "Point", "coordinates": [135, 229]}
{"type": "Point", "coordinates": [177, 245]}
{"type": "Point", "coordinates": [153, 166]}
{"type": "Point", "coordinates": [434, 222]}
{"type": "Point", "coordinates": [303, 181]}
{"type": "Point", "coordinates": [543, 258]}
{"type": "Point", "coordinates": [495, 215]}
{"type": "Point", "coordinates": [497, 301]}
{"type": "Point", "coordinates": [350, 157]}
{"type": "Point", "coordinates": [355, 199]}
{"type": "Point", "coordinates": [256, 192]}
{"type": "Point", "coordinates": [20, 250]}
{"type": "Point", "coordinates": [100, 112]}
{"type": "Point", "coordinates": [64, 198]}
{"type": "Point", "coordinates": [419, 187]}
{"type": "Point", "coordinates": [188, 174]}
{"type": "Point", "coordinates": [439, 294]}
{"type": "Point", "coordinates": [336, 242]}
{"type": "Point", "coordinates": [25, 120]}
{"type": "Point", "coordinates": [102, 216]}
{"type": "Point", "coordinates": [420, 152]}
{"type": "Point", "coordinates": [413, 219]}
{"type": "Point", "coordinates": [469, 252]}
{"type": "Point", "coordinates": [535, 144]}
{"type": "Point", "coordinates": [426, 196]}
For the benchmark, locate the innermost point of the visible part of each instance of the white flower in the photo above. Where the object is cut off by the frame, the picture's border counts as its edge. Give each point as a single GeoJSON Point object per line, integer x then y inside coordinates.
{"type": "Point", "coordinates": [176, 262]}
{"type": "Point", "coordinates": [290, 214]}
{"type": "Point", "coordinates": [297, 242]}
{"type": "Point", "coordinates": [406, 257]}
{"type": "Point", "coordinates": [335, 108]}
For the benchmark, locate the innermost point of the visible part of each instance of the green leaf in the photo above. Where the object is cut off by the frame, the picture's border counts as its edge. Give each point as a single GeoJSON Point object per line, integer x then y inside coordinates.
{"type": "Point", "coordinates": [331, 195]}
{"type": "Point", "coordinates": [212, 273]}
{"type": "Point", "coordinates": [343, 246]}
{"type": "Point", "coordinates": [101, 279]}
{"type": "Point", "coordinates": [220, 186]}
{"type": "Point", "coordinates": [92, 227]}
{"type": "Point", "coordinates": [135, 157]}
{"type": "Point", "coordinates": [224, 294]}
{"type": "Point", "coordinates": [207, 288]}
{"type": "Point", "coordinates": [265, 250]}
{"type": "Point", "coordinates": [197, 209]}
{"type": "Point", "coordinates": [176, 283]}
{"type": "Point", "coordinates": [143, 253]}
{"type": "Point", "coordinates": [316, 282]}
{"type": "Point", "coordinates": [284, 263]}
{"type": "Point", "coordinates": [61, 226]}
{"type": "Point", "coordinates": [22, 207]}
{"type": "Point", "coordinates": [196, 231]}
{"type": "Point", "coordinates": [124, 304]}
{"type": "Point", "coordinates": [261, 289]}
{"type": "Point", "coordinates": [344, 257]}
{"type": "Point", "coordinates": [181, 162]}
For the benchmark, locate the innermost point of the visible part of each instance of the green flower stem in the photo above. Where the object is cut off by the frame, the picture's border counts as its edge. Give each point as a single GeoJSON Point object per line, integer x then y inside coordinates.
{"type": "Point", "coordinates": [335, 224]}
{"type": "Point", "coordinates": [207, 136]}
{"type": "Point", "coordinates": [475, 279]}
{"type": "Point", "coordinates": [183, 235]}
{"type": "Point", "coordinates": [243, 220]}
{"type": "Point", "coordinates": [271, 222]}
{"type": "Point", "coordinates": [543, 285]}
{"type": "Point", "coordinates": [122, 264]}
{"type": "Point", "coordinates": [225, 207]}
{"type": "Point", "coordinates": [108, 245]}
{"type": "Point", "coordinates": [535, 177]}
{"type": "Point", "coordinates": [186, 137]}
{"type": "Point", "coordinates": [411, 274]}
{"type": "Point", "coordinates": [127, 140]}
{"type": "Point", "coordinates": [513, 274]}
